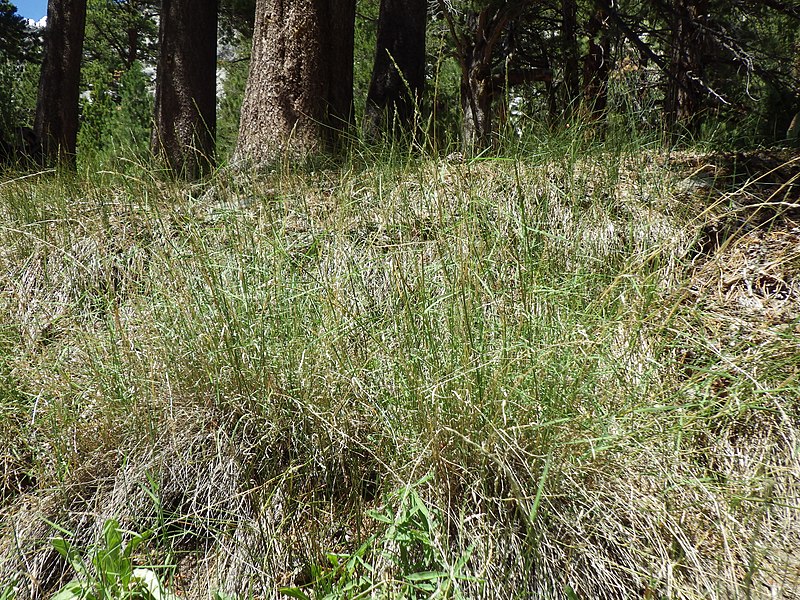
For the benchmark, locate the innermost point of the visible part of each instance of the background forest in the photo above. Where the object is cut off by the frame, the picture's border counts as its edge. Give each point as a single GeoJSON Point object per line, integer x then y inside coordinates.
{"type": "Point", "coordinates": [400, 299]}
{"type": "Point", "coordinates": [471, 73]}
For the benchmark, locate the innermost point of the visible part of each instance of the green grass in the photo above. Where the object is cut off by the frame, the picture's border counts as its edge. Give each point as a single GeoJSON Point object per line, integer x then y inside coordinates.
{"type": "Point", "coordinates": [396, 378]}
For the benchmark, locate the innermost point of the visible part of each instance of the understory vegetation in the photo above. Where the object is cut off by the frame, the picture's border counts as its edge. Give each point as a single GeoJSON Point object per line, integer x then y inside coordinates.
{"type": "Point", "coordinates": [571, 372]}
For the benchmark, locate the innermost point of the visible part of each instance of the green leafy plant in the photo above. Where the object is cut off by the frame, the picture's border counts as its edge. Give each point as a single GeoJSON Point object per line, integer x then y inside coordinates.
{"type": "Point", "coordinates": [405, 555]}
{"type": "Point", "coordinates": [7, 593]}
{"type": "Point", "coordinates": [410, 545]}
{"type": "Point", "coordinates": [344, 576]}
{"type": "Point", "coordinates": [110, 573]}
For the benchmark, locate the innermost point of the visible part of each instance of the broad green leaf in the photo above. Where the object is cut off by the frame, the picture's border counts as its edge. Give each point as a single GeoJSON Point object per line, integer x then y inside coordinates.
{"type": "Point", "coordinates": [113, 540]}
{"type": "Point", "coordinates": [426, 576]}
{"type": "Point", "coordinates": [150, 583]}
{"type": "Point", "coordinates": [135, 542]}
{"type": "Point", "coordinates": [65, 549]}
{"type": "Point", "coordinates": [334, 559]}
{"type": "Point", "coordinates": [294, 593]}
{"type": "Point", "coordinates": [462, 560]}
{"type": "Point", "coordinates": [571, 594]}
{"type": "Point", "coordinates": [419, 505]}
{"type": "Point", "coordinates": [108, 571]}
{"type": "Point", "coordinates": [378, 516]}
{"type": "Point", "coordinates": [74, 590]}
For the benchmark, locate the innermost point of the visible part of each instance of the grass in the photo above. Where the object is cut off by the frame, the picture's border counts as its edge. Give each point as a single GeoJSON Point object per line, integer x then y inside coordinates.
{"type": "Point", "coordinates": [510, 377]}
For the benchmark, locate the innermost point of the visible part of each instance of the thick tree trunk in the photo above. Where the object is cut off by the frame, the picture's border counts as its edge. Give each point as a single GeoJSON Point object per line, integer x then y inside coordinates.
{"type": "Point", "coordinates": [683, 98]}
{"type": "Point", "coordinates": [597, 62]}
{"type": "Point", "coordinates": [56, 122]}
{"type": "Point", "coordinates": [398, 74]}
{"type": "Point", "coordinates": [299, 94]}
{"type": "Point", "coordinates": [185, 103]}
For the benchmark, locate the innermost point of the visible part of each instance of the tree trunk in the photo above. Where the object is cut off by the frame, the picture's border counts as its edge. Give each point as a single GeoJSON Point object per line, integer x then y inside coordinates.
{"type": "Point", "coordinates": [476, 36]}
{"type": "Point", "coordinates": [793, 132]}
{"type": "Point", "coordinates": [185, 104]}
{"type": "Point", "coordinates": [299, 95]}
{"type": "Point", "coordinates": [683, 98]}
{"type": "Point", "coordinates": [56, 122]}
{"type": "Point", "coordinates": [569, 44]}
{"type": "Point", "coordinates": [597, 62]}
{"type": "Point", "coordinates": [133, 47]}
{"type": "Point", "coordinates": [398, 74]}
{"type": "Point", "coordinates": [476, 97]}
{"type": "Point", "coordinates": [133, 11]}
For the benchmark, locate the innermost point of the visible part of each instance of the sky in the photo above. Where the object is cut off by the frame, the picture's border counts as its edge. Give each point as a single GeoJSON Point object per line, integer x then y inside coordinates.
{"type": "Point", "coordinates": [31, 9]}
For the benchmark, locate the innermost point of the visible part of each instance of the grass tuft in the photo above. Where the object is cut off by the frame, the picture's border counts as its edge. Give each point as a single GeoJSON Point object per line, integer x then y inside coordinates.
{"type": "Point", "coordinates": [557, 373]}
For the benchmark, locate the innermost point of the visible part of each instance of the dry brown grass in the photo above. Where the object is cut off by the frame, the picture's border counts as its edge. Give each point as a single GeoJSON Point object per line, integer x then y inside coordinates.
{"type": "Point", "coordinates": [589, 394]}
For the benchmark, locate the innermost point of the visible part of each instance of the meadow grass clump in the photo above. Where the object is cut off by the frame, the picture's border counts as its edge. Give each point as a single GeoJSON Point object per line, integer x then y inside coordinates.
{"type": "Point", "coordinates": [520, 377]}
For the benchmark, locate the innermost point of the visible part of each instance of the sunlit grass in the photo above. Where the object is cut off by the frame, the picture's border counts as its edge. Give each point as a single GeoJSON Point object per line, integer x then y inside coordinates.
{"type": "Point", "coordinates": [248, 366]}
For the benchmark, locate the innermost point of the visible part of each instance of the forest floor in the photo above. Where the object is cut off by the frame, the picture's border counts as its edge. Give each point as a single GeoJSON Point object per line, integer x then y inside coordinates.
{"type": "Point", "coordinates": [561, 375]}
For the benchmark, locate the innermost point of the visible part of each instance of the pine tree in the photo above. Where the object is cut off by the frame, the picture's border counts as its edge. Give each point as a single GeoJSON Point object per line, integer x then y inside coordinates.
{"type": "Point", "coordinates": [299, 95]}
{"type": "Point", "coordinates": [185, 102]}
{"type": "Point", "coordinates": [56, 122]}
